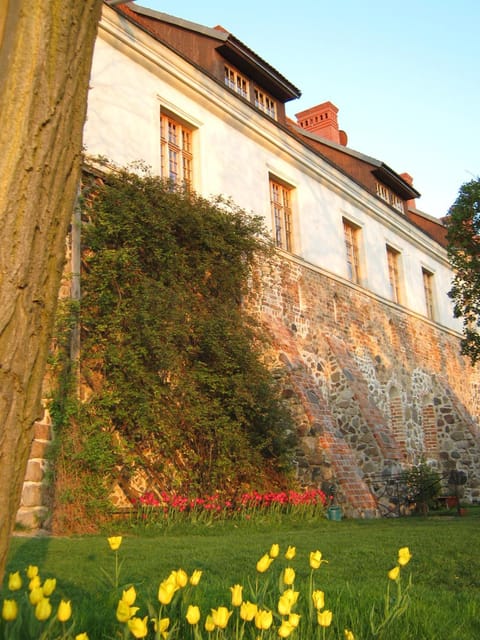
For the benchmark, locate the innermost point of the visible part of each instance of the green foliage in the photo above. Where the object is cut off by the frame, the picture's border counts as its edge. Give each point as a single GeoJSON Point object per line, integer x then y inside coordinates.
{"type": "Point", "coordinates": [173, 359]}
{"type": "Point", "coordinates": [423, 485]}
{"type": "Point", "coordinates": [463, 223]}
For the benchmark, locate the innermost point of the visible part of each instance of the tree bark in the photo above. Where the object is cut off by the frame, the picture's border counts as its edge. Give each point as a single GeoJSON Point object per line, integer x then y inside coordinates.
{"type": "Point", "coordinates": [45, 61]}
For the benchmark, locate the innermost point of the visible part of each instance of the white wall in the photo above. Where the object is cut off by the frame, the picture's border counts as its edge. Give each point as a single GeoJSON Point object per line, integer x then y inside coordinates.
{"type": "Point", "coordinates": [235, 149]}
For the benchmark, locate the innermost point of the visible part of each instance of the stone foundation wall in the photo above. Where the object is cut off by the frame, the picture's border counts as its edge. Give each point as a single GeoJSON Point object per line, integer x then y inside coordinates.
{"type": "Point", "coordinates": [34, 512]}
{"type": "Point", "coordinates": [376, 387]}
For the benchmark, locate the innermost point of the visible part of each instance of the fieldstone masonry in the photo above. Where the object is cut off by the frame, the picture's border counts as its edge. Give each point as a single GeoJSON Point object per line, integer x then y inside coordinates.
{"type": "Point", "coordinates": [376, 388]}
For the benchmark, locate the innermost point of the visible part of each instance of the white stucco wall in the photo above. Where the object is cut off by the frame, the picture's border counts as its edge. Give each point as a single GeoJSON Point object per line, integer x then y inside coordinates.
{"type": "Point", "coordinates": [235, 150]}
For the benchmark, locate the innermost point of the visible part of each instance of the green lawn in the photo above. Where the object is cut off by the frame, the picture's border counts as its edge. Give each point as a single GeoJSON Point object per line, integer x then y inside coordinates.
{"type": "Point", "coordinates": [445, 570]}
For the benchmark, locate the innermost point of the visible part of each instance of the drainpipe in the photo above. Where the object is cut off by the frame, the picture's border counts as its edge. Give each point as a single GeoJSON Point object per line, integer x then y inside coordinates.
{"type": "Point", "coordinates": [75, 288]}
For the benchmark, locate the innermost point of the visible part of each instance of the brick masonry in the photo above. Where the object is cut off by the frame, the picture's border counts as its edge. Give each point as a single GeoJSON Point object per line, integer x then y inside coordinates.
{"type": "Point", "coordinates": [373, 387]}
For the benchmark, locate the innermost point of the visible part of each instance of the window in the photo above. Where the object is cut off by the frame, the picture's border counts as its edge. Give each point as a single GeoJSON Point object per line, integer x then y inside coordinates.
{"type": "Point", "coordinates": [176, 151]}
{"type": "Point", "coordinates": [352, 239]}
{"type": "Point", "coordinates": [428, 289]}
{"type": "Point", "coordinates": [393, 260]}
{"type": "Point", "coordinates": [280, 201]}
{"type": "Point", "coordinates": [386, 194]}
{"type": "Point", "coordinates": [265, 103]}
{"type": "Point", "coordinates": [236, 81]}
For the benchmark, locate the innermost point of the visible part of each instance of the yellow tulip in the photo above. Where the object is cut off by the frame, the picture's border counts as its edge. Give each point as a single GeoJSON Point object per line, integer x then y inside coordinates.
{"type": "Point", "coordinates": [221, 616]}
{"type": "Point", "coordinates": [161, 626]}
{"type": "Point", "coordinates": [318, 598]}
{"type": "Point", "coordinates": [274, 551]}
{"type": "Point", "coordinates": [195, 577]}
{"type": "Point", "coordinates": [404, 556]}
{"type": "Point", "coordinates": [35, 595]}
{"type": "Point", "coordinates": [288, 576]}
{"type": "Point", "coordinates": [315, 559]}
{"type": "Point", "coordinates": [294, 619]}
{"type": "Point", "coordinates": [248, 611]}
{"type": "Point", "coordinates": [14, 581]}
{"type": "Point", "coordinates": [193, 614]}
{"type": "Point", "coordinates": [166, 591]}
{"type": "Point", "coordinates": [138, 627]}
{"type": "Point", "coordinates": [34, 583]}
{"type": "Point", "coordinates": [125, 611]}
{"type": "Point", "coordinates": [263, 619]}
{"type": "Point", "coordinates": [324, 618]}
{"type": "Point", "coordinates": [209, 624]}
{"type": "Point", "coordinates": [181, 578]}
{"type": "Point", "coordinates": [285, 629]}
{"type": "Point", "coordinates": [290, 596]}
{"type": "Point", "coordinates": [32, 571]}
{"type": "Point", "coordinates": [349, 635]}
{"type": "Point", "coordinates": [284, 606]}
{"type": "Point", "coordinates": [81, 636]}
{"type": "Point", "coordinates": [129, 596]}
{"type": "Point", "coordinates": [394, 573]}
{"type": "Point", "coordinates": [43, 609]}
{"type": "Point", "coordinates": [49, 586]}
{"type": "Point", "coordinates": [64, 610]}
{"type": "Point", "coordinates": [290, 553]}
{"type": "Point", "coordinates": [237, 597]}
{"type": "Point", "coordinates": [264, 562]}
{"type": "Point", "coordinates": [115, 542]}
{"type": "Point", "coordinates": [9, 610]}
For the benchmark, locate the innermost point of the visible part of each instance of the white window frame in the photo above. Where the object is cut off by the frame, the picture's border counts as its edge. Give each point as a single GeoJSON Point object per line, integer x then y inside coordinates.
{"type": "Point", "coordinates": [265, 103]}
{"type": "Point", "coordinates": [236, 81]}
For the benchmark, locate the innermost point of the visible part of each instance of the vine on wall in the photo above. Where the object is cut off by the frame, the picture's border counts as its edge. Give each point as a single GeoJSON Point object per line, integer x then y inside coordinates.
{"type": "Point", "coordinates": [171, 359]}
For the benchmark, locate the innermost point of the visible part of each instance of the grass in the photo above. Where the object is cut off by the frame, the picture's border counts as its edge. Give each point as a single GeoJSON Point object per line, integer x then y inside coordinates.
{"type": "Point", "coordinates": [445, 569]}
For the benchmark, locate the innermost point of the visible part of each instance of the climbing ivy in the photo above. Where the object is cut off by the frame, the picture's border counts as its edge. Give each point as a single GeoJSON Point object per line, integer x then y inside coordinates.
{"type": "Point", "coordinates": [172, 360]}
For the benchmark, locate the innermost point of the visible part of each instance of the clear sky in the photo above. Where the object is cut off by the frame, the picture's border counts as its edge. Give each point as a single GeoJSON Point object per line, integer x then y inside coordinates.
{"type": "Point", "coordinates": [405, 76]}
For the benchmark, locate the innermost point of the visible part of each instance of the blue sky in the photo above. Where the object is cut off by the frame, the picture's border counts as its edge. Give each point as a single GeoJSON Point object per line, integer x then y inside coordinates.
{"type": "Point", "coordinates": [405, 76]}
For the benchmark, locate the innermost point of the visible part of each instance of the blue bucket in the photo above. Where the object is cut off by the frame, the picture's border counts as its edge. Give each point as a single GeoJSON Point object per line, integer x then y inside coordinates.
{"type": "Point", "coordinates": [334, 513]}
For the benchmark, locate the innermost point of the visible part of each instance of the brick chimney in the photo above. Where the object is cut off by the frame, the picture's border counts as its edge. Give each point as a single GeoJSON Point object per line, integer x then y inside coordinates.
{"type": "Point", "coordinates": [409, 180]}
{"type": "Point", "coordinates": [322, 120]}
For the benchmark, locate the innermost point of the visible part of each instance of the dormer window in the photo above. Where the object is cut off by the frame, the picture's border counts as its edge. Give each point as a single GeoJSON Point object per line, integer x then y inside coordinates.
{"type": "Point", "coordinates": [388, 196]}
{"type": "Point", "coordinates": [236, 81]}
{"type": "Point", "coordinates": [264, 102]}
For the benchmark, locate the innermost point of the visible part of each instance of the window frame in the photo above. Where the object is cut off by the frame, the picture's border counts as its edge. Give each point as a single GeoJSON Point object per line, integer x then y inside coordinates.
{"type": "Point", "coordinates": [176, 149]}
{"type": "Point", "coordinates": [394, 270]}
{"type": "Point", "coordinates": [265, 102]}
{"type": "Point", "coordinates": [428, 289]}
{"type": "Point", "coordinates": [281, 208]}
{"type": "Point", "coordinates": [236, 81]}
{"type": "Point", "coordinates": [353, 252]}
{"type": "Point", "coordinates": [388, 196]}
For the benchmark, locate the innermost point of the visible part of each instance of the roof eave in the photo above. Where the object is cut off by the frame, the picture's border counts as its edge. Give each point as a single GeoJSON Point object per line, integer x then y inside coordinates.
{"type": "Point", "coordinates": [393, 180]}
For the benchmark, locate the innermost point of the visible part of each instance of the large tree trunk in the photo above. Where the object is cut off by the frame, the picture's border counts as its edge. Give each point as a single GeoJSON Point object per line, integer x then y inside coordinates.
{"type": "Point", "coordinates": [45, 61]}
